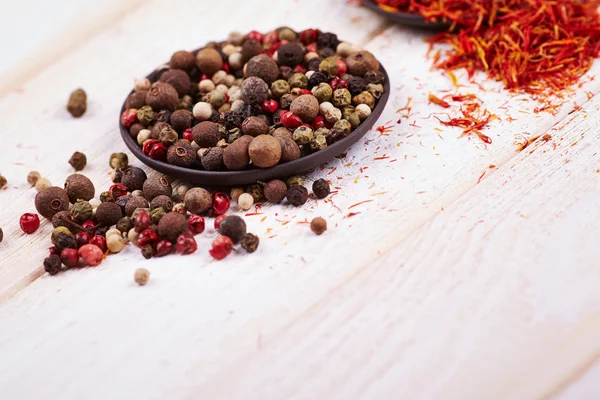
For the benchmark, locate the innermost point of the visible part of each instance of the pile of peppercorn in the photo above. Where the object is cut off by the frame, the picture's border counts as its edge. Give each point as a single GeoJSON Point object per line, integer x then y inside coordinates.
{"type": "Point", "coordinates": [254, 100]}
{"type": "Point", "coordinates": [148, 213]}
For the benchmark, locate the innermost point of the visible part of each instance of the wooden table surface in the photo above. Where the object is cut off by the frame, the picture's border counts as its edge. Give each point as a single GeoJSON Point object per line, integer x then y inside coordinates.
{"type": "Point", "coordinates": [469, 271]}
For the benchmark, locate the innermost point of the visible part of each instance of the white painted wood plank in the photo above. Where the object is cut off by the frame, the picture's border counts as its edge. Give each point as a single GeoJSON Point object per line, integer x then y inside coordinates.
{"type": "Point", "coordinates": [495, 298]}
{"type": "Point", "coordinates": [585, 388]}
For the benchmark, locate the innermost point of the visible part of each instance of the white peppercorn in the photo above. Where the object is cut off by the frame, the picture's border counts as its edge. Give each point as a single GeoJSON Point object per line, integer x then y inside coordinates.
{"type": "Point", "coordinates": [221, 87]}
{"type": "Point", "coordinates": [333, 115]}
{"type": "Point", "coordinates": [245, 201]}
{"type": "Point", "coordinates": [132, 236]}
{"type": "Point", "coordinates": [229, 79]}
{"type": "Point", "coordinates": [235, 60]}
{"type": "Point", "coordinates": [363, 111]}
{"type": "Point", "coordinates": [206, 86]}
{"type": "Point", "coordinates": [218, 77]}
{"type": "Point", "coordinates": [229, 49]}
{"type": "Point", "coordinates": [143, 135]}
{"type": "Point", "coordinates": [324, 107]}
{"type": "Point", "coordinates": [142, 84]}
{"type": "Point", "coordinates": [202, 111]}
{"type": "Point", "coordinates": [237, 105]}
{"type": "Point", "coordinates": [42, 184]}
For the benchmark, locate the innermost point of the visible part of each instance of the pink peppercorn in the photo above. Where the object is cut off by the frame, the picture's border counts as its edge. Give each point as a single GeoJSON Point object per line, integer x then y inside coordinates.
{"type": "Point", "coordinates": [221, 247]}
{"type": "Point", "coordinates": [29, 222]}
{"type": "Point", "coordinates": [186, 244]}
{"type": "Point", "coordinates": [129, 117]}
{"type": "Point", "coordinates": [289, 120]}
{"type": "Point", "coordinates": [163, 248]}
{"type": "Point", "coordinates": [256, 36]}
{"type": "Point", "coordinates": [69, 257]}
{"type": "Point", "coordinates": [218, 221]}
{"type": "Point", "coordinates": [148, 236]}
{"type": "Point", "coordinates": [187, 135]}
{"type": "Point", "coordinates": [82, 238]}
{"type": "Point", "coordinates": [342, 67]}
{"type": "Point", "coordinates": [221, 203]}
{"type": "Point", "coordinates": [196, 224]}
{"type": "Point", "coordinates": [270, 106]}
{"type": "Point", "coordinates": [148, 144]}
{"type": "Point", "coordinates": [100, 242]}
{"type": "Point", "coordinates": [91, 255]}
{"type": "Point", "coordinates": [158, 152]}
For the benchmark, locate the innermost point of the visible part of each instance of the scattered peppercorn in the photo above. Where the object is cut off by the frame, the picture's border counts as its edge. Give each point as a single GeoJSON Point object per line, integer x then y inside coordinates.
{"type": "Point", "coordinates": [318, 225]}
{"type": "Point", "coordinates": [147, 251]}
{"type": "Point", "coordinates": [78, 161]}
{"type": "Point", "coordinates": [52, 264]}
{"type": "Point", "coordinates": [245, 201]}
{"type": "Point", "coordinates": [249, 242]}
{"type": "Point", "coordinates": [297, 195]}
{"type": "Point", "coordinates": [1, 235]}
{"type": "Point", "coordinates": [51, 200]}
{"type": "Point", "coordinates": [42, 184]}
{"type": "Point", "coordinates": [320, 188]}
{"type": "Point", "coordinates": [275, 191]}
{"type": "Point", "coordinates": [65, 241]}
{"type": "Point", "coordinates": [77, 104]}
{"type": "Point", "coordinates": [141, 276]}
{"type": "Point", "coordinates": [33, 177]}
{"type": "Point", "coordinates": [171, 226]}
{"type": "Point", "coordinates": [79, 187]}
{"type": "Point", "coordinates": [233, 227]}
{"type": "Point", "coordinates": [156, 186]}
{"type": "Point", "coordinates": [81, 211]}
{"type": "Point", "coordinates": [221, 247]}
{"type": "Point", "coordinates": [109, 213]}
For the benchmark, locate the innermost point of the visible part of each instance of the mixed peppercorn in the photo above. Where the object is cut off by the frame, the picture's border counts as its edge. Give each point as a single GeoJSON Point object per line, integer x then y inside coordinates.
{"type": "Point", "coordinates": [254, 100]}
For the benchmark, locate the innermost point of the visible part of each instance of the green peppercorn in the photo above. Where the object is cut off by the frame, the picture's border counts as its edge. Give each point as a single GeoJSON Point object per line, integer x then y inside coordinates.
{"type": "Point", "coordinates": [168, 136]}
{"type": "Point", "coordinates": [279, 88]}
{"type": "Point", "coordinates": [329, 66]}
{"type": "Point", "coordinates": [287, 34]}
{"type": "Point", "coordinates": [249, 242]}
{"type": "Point", "coordinates": [303, 135]}
{"type": "Point", "coordinates": [106, 197]}
{"type": "Point", "coordinates": [81, 211]}
{"type": "Point", "coordinates": [256, 191]}
{"type": "Point", "coordinates": [347, 110]}
{"type": "Point", "coordinates": [344, 125]}
{"type": "Point", "coordinates": [294, 180]}
{"type": "Point", "coordinates": [376, 89]}
{"type": "Point", "coordinates": [298, 80]}
{"type": "Point", "coordinates": [322, 92]}
{"type": "Point", "coordinates": [286, 100]}
{"type": "Point", "coordinates": [364, 98]}
{"type": "Point", "coordinates": [341, 98]}
{"type": "Point", "coordinates": [145, 115]}
{"type": "Point", "coordinates": [57, 230]}
{"type": "Point", "coordinates": [78, 161]}
{"type": "Point", "coordinates": [156, 215]}
{"type": "Point", "coordinates": [319, 142]}
{"type": "Point", "coordinates": [215, 98]}
{"type": "Point", "coordinates": [118, 160]}
{"type": "Point", "coordinates": [233, 135]}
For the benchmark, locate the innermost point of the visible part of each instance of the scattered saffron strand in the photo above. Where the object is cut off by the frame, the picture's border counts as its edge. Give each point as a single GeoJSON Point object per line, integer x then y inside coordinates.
{"type": "Point", "coordinates": [359, 203]}
{"type": "Point", "coordinates": [436, 100]}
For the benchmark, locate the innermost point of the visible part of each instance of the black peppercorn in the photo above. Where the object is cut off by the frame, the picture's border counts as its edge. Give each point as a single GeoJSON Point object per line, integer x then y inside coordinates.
{"type": "Point", "coordinates": [79, 187]}
{"type": "Point", "coordinates": [148, 251]}
{"type": "Point", "coordinates": [233, 227]}
{"type": "Point", "coordinates": [135, 129]}
{"type": "Point", "coordinates": [133, 178]}
{"type": "Point", "coordinates": [171, 226]}
{"type": "Point", "coordinates": [313, 64]}
{"type": "Point", "coordinates": [356, 85]}
{"type": "Point", "coordinates": [122, 202]}
{"type": "Point", "coordinates": [297, 195]}
{"type": "Point", "coordinates": [179, 79]}
{"type": "Point", "coordinates": [164, 116]}
{"type": "Point", "coordinates": [101, 230]}
{"type": "Point", "coordinates": [163, 202]}
{"type": "Point", "coordinates": [375, 77]}
{"type": "Point", "coordinates": [320, 188]}
{"type": "Point", "coordinates": [1, 235]}
{"type": "Point", "coordinates": [78, 161]}
{"type": "Point", "coordinates": [117, 175]}
{"type": "Point", "coordinates": [317, 78]}
{"type": "Point", "coordinates": [124, 225]}
{"type": "Point", "coordinates": [256, 191]}
{"type": "Point", "coordinates": [334, 135]}
{"type": "Point", "coordinates": [109, 213]}
{"type": "Point", "coordinates": [290, 54]}
{"type": "Point", "coordinates": [181, 154]}
{"type": "Point", "coordinates": [155, 186]}
{"type": "Point", "coordinates": [249, 242]}
{"type": "Point", "coordinates": [52, 264]}
{"type": "Point", "coordinates": [65, 241]}
{"type": "Point", "coordinates": [327, 39]}
{"type": "Point", "coordinates": [233, 119]}
{"type": "Point", "coordinates": [134, 203]}
{"type": "Point", "coordinates": [51, 200]}
{"type": "Point", "coordinates": [326, 52]}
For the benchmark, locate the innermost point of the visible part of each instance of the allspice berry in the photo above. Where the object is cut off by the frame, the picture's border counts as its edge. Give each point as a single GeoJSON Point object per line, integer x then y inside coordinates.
{"type": "Point", "coordinates": [198, 200]}
{"type": "Point", "coordinates": [212, 158]}
{"type": "Point", "coordinates": [134, 203]}
{"type": "Point", "coordinates": [77, 103]}
{"type": "Point", "coordinates": [235, 193]}
{"type": "Point", "coordinates": [264, 151]}
{"type": "Point", "coordinates": [78, 161]}
{"type": "Point", "coordinates": [181, 120]}
{"type": "Point", "coordinates": [361, 62]}
{"type": "Point", "coordinates": [306, 107]}
{"type": "Point", "coordinates": [297, 195]}
{"type": "Point", "coordinates": [33, 177]}
{"type": "Point", "coordinates": [235, 156]}
{"type": "Point", "coordinates": [254, 91]}
{"type": "Point", "coordinates": [157, 128]}
{"type": "Point", "coordinates": [181, 154]}
{"type": "Point", "coordinates": [282, 133]}
{"type": "Point", "coordinates": [255, 126]}
{"type": "Point", "coordinates": [163, 202]}
{"type": "Point", "coordinates": [318, 225]}
{"type": "Point", "coordinates": [177, 78]}
{"type": "Point", "coordinates": [263, 67]}
{"type": "Point", "coordinates": [155, 186]}
{"type": "Point", "coordinates": [183, 60]}
{"type": "Point", "coordinates": [275, 190]}
{"type": "Point", "coordinates": [141, 276]}
{"type": "Point", "coordinates": [108, 213]}
{"type": "Point", "coordinates": [233, 227]}
{"type": "Point", "coordinates": [162, 96]}
{"type": "Point", "coordinates": [290, 150]}
{"type": "Point", "coordinates": [206, 134]}
{"type": "Point", "coordinates": [133, 178]}
{"type": "Point", "coordinates": [51, 200]}
{"type": "Point", "coordinates": [79, 187]}
{"type": "Point", "coordinates": [171, 226]}
{"type": "Point", "coordinates": [209, 61]}
{"type": "Point", "coordinates": [250, 48]}
{"type": "Point", "coordinates": [320, 188]}
{"type": "Point", "coordinates": [136, 99]}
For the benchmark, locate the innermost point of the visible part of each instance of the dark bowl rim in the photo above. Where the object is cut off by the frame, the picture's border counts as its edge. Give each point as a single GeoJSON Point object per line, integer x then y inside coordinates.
{"type": "Point", "coordinates": [404, 18]}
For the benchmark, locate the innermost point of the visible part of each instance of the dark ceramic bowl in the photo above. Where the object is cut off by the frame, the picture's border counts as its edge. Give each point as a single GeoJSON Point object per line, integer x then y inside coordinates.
{"type": "Point", "coordinates": [407, 19]}
{"type": "Point", "coordinates": [252, 175]}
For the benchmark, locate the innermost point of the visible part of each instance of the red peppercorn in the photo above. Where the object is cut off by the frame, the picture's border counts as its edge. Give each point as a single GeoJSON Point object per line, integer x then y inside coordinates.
{"type": "Point", "coordinates": [82, 238]}
{"type": "Point", "coordinates": [148, 146]}
{"type": "Point", "coordinates": [289, 120]}
{"type": "Point", "coordinates": [129, 117]}
{"type": "Point", "coordinates": [221, 247]}
{"type": "Point", "coordinates": [270, 106]}
{"type": "Point", "coordinates": [91, 255]}
{"type": "Point", "coordinates": [204, 76]}
{"type": "Point", "coordinates": [99, 241]}
{"type": "Point", "coordinates": [256, 36]}
{"type": "Point", "coordinates": [163, 248]}
{"type": "Point", "coordinates": [89, 225]}
{"type": "Point", "coordinates": [226, 98]}
{"type": "Point", "coordinates": [69, 257]}
{"type": "Point", "coordinates": [186, 244]}
{"type": "Point", "coordinates": [305, 91]}
{"type": "Point", "coordinates": [300, 68]}
{"type": "Point", "coordinates": [29, 222]}
{"type": "Point", "coordinates": [141, 222]}
{"type": "Point", "coordinates": [158, 151]}
{"type": "Point", "coordinates": [308, 36]}
{"type": "Point", "coordinates": [218, 221]}
{"type": "Point", "coordinates": [148, 236]}
{"type": "Point", "coordinates": [318, 122]}
{"type": "Point", "coordinates": [226, 67]}
{"type": "Point", "coordinates": [187, 135]}
{"type": "Point", "coordinates": [270, 37]}
{"type": "Point", "coordinates": [53, 251]}
{"type": "Point", "coordinates": [342, 67]}
{"type": "Point", "coordinates": [275, 46]}
{"type": "Point", "coordinates": [311, 48]}
{"type": "Point", "coordinates": [337, 83]}
{"type": "Point", "coordinates": [220, 203]}
{"type": "Point", "coordinates": [196, 224]}
{"type": "Point", "coordinates": [117, 190]}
